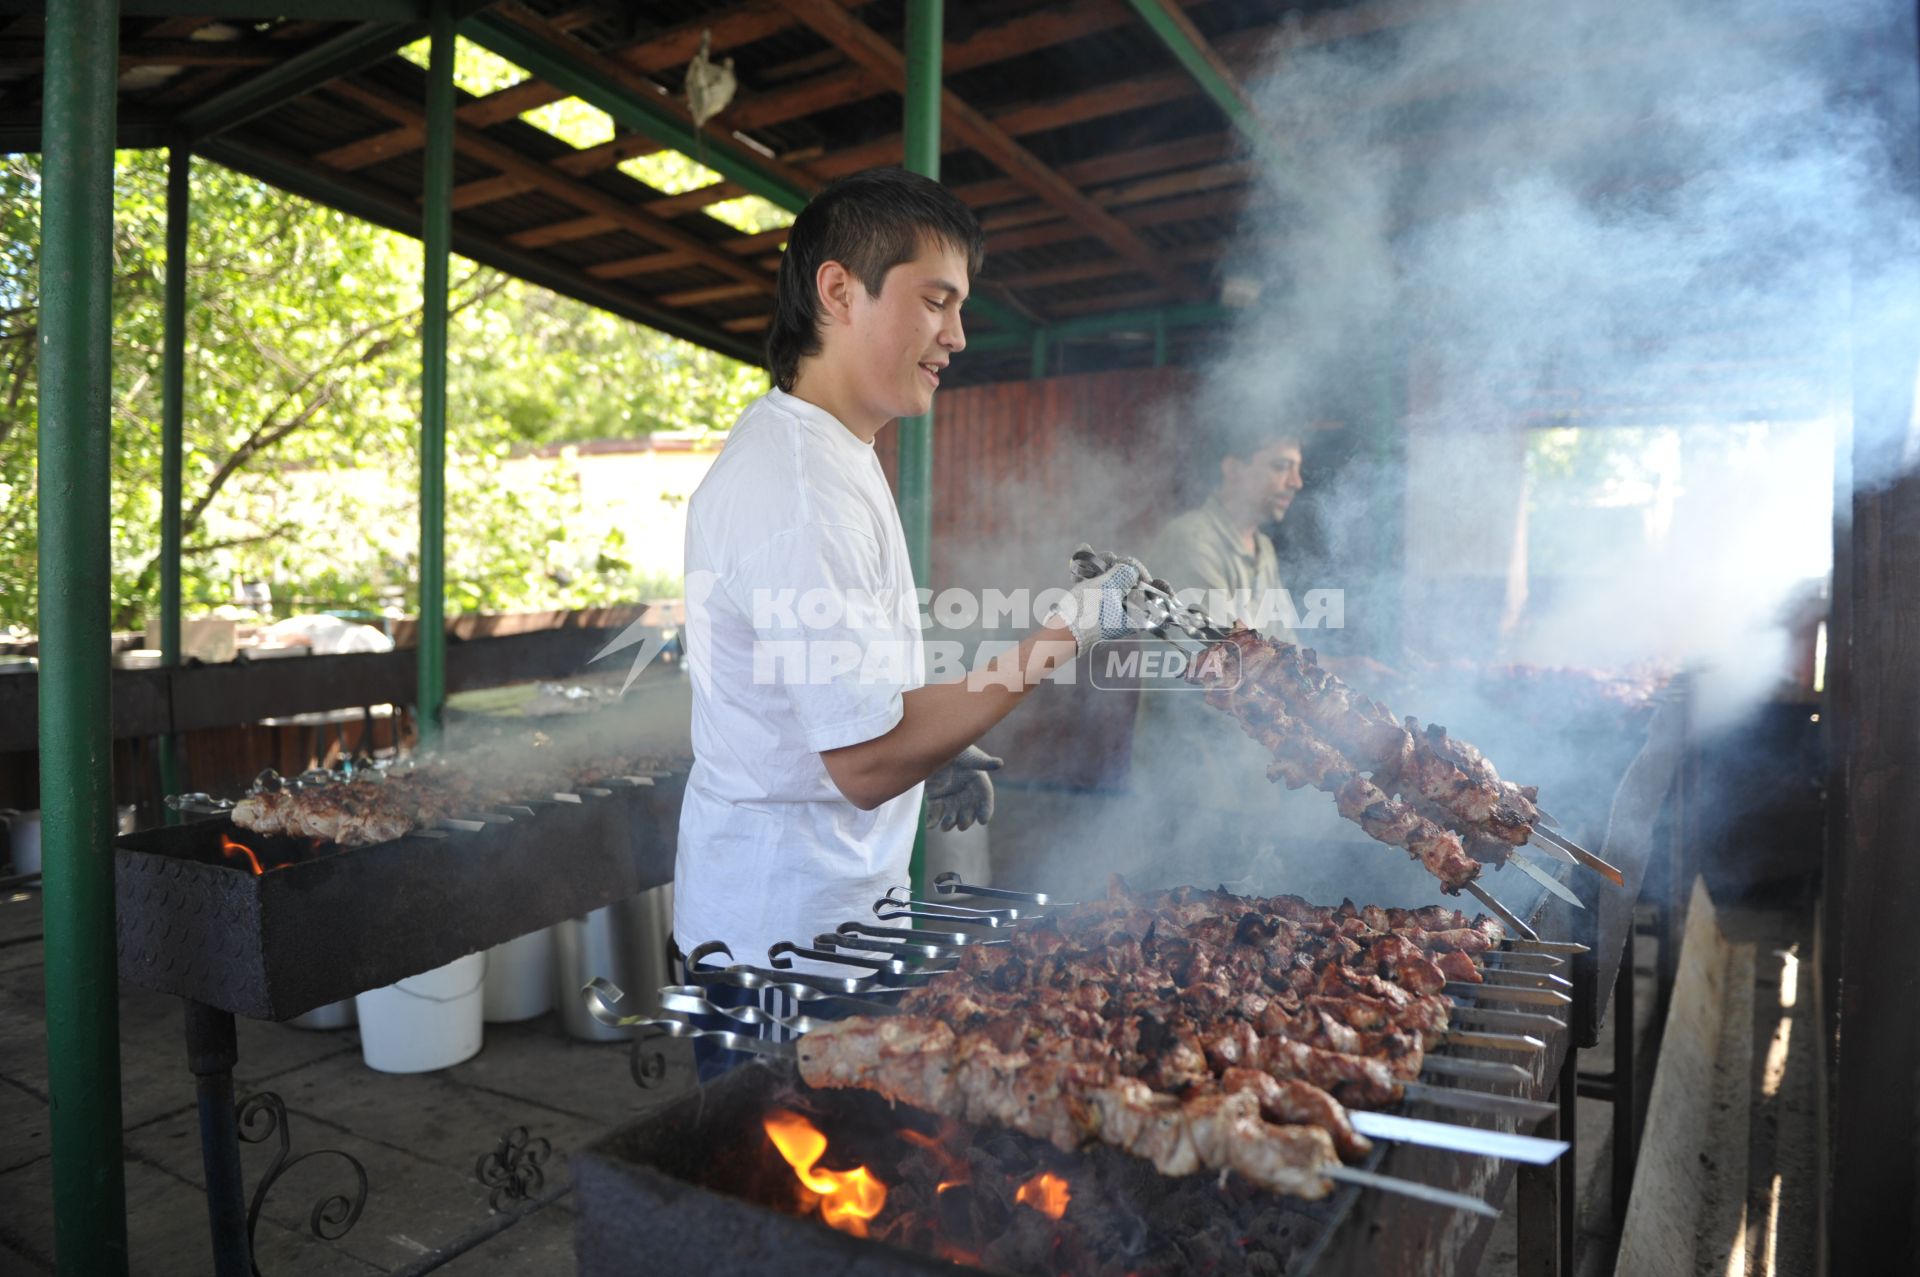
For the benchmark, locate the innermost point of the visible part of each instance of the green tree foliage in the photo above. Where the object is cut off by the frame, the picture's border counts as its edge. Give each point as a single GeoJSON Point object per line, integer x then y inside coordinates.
{"type": "Point", "coordinates": [303, 356]}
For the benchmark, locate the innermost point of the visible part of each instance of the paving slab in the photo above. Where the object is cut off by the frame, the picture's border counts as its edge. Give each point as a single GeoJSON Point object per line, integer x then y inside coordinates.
{"type": "Point", "coordinates": [414, 1203]}
{"type": "Point", "coordinates": [19, 1261]}
{"type": "Point", "coordinates": [540, 1243]}
{"type": "Point", "coordinates": [19, 917]}
{"type": "Point", "coordinates": [590, 1079]}
{"type": "Point", "coordinates": [433, 1116]}
{"type": "Point", "coordinates": [166, 1228]}
{"type": "Point", "coordinates": [24, 1131]}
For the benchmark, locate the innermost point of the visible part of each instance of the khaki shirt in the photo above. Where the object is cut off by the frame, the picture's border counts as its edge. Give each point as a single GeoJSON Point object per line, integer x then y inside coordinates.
{"type": "Point", "coordinates": [1184, 750]}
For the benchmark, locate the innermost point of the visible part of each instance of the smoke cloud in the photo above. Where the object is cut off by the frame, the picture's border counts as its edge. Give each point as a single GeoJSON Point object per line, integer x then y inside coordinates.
{"type": "Point", "coordinates": [1668, 227]}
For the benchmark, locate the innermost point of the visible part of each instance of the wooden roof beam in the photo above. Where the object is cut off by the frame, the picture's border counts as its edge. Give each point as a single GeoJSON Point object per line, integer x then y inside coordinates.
{"type": "Point", "coordinates": [588, 199]}
{"type": "Point", "coordinates": [867, 47]}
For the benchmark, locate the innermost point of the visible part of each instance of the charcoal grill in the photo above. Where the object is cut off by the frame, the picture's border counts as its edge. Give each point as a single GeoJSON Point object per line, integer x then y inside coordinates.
{"type": "Point", "coordinates": [704, 1162]}
{"type": "Point", "coordinates": [681, 1163]}
{"type": "Point", "coordinates": [320, 924]}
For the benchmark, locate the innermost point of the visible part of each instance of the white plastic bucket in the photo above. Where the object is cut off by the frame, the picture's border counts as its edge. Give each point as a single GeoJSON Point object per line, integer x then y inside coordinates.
{"type": "Point", "coordinates": [23, 835]}
{"type": "Point", "coordinates": [519, 978]}
{"type": "Point", "coordinates": [425, 1022]}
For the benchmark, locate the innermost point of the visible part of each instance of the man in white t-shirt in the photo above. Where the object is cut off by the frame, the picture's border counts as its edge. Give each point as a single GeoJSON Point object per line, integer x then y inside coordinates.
{"type": "Point", "coordinates": [813, 726]}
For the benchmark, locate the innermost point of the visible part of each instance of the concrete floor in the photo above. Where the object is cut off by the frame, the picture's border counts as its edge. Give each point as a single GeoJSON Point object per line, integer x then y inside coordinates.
{"type": "Point", "coordinates": [420, 1136]}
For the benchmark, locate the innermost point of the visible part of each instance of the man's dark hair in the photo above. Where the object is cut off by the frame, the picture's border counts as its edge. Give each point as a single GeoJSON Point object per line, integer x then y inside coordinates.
{"type": "Point", "coordinates": [869, 222]}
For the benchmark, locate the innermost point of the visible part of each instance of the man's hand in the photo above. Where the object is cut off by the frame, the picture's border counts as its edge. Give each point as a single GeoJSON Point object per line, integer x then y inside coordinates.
{"type": "Point", "coordinates": [959, 795]}
{"type": "Point", "coordinates": [1097, 608]}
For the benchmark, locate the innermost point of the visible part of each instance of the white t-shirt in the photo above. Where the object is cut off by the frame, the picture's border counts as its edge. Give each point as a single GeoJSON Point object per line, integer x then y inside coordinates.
{"type": "Point", "coordinates": [798, 641]}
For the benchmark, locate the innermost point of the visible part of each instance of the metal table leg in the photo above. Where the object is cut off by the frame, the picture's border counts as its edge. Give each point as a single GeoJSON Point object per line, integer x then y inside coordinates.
{"type": "Point", "coordinates": [212, 1051]}
{"type": "Point", "coordinates": [1546, 1194]}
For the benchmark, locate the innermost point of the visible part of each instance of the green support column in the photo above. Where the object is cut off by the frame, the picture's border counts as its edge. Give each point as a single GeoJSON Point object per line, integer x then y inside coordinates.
{"type": "Point", "coordinates": [926, 26]}
{"type": "Point", "coordinates": [1160, 340]}
{"type": "Point", "coordinates": [437, 237]}
{"type": "Point", "coordinates": [173, 375]}
{"type": "Point", "coordinates": [76, 758]}
{"type": "Point", "coordinates": [1040, 353]}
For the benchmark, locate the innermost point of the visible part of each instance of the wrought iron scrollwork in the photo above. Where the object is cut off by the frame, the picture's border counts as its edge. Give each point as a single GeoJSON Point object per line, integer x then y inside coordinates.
{"type": "Point", "coordinates": [263, 1116]}
{"type": "Point", "coordinates": [512, 1171]}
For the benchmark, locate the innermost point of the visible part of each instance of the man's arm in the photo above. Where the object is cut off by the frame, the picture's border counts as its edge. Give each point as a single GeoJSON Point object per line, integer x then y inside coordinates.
{"type": "Point", "coordinates": [941, 719]}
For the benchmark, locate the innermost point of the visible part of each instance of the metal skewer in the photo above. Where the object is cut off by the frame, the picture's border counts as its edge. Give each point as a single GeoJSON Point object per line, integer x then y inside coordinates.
{"type": "Point", "coordinates": [1482, 1070]}
{"type": "Point", "coordinates": [1517, 1042]}
{"type": "Point", "coordinates": [949, 883]}
{"type": "Point", "coordinates": [1531, 1024]}
{"type": "Point", "coordinates": [1501, 993]}
{"type": "Point", "coordinates": [1409, 1188]}
{"type": "Point", "coordinates": [920, 935]}
{"type": "Point", "coordinates": [1567, 947]}
{"type": "Point", "coordinates": [1531, 1149]}
{"type": "Point", "coordinates": [1520, 960]}
{"type": "Point", "coordinates": [1585, 857]}
{"type": "Point", "coordinates": [835, 940]}
{"type": "Point", "coordinates": [1505, 914]}
{"type": "Point", "coordinates": [1478, 1101]}
{"type": "Point", "coordinates": [1544, 878]}
{"type": "Point", "coordinates": [1524, 979]}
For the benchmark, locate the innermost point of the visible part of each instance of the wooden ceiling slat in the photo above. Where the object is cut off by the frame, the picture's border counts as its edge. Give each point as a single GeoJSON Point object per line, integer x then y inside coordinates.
{"type": "Point", "coordinates": [650, 264]}
{"type": "Point", "coordinates": [1108, 301]}
{"type": "Point", "coordinates": [488, 189]}
{"type": "Point", "coordinates": [1106, 168]}
{"type": "Point", "coordinates": [1107, 268]}
{"type": "Point", "coordinates": [588, 199]}
{"type": "Point", "coordinates": [1181, 210]}
{"type": "Point", "coordinates": [745, 246]}
{"type": "Point", "coordinates": [694, 201]}
{"type": "Point", "coordinates": [707, 296]}
{"type": "Point", "coordinates": [561, 232]}
{"type": "Point", "coordinates": [1192, 181]}
{"type": "Point", "coordinates": [871, 50]}
{"type": "Point", "coordinates": [747, 324]}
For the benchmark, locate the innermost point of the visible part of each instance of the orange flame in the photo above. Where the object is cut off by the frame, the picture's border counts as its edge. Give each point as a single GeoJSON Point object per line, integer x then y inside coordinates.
{"type": "Point", "coordinates": [848, 1199]}
{"type": "Point", "coordinates": [230, 849]}
{"type": "Point", "coordinates": [1046, 1193]}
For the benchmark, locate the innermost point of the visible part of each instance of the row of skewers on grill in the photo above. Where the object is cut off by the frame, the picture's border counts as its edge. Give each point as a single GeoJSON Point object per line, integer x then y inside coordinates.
{"type": "Point", "coordinates": [1196, 1029]}
{"type": "Point", "coordinates": [358, 806]}
{"type": "Point", "coordinates": [1404, 784]}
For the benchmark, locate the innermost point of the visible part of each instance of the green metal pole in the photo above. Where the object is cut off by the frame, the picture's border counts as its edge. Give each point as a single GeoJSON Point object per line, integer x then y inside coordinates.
{"type": "Point", "coordinates": [1040, 353]}
{"type": "Point", "coordinates": [926, 27]}
{"type": "Point", "coordinates": [173, 376]}
{"type": "Point", "coordinates": [1160, 340]}
{"type": "Point", "coordinates": [437, 237]}
{"type": "Point", "coordinates": [76, 737]}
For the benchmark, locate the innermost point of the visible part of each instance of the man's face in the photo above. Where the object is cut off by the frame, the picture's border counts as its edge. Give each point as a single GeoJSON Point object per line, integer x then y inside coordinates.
{"type": "Point", "coordinates": [902, 339]}
{"type": "Point", "coordinates": [1264, 484]}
